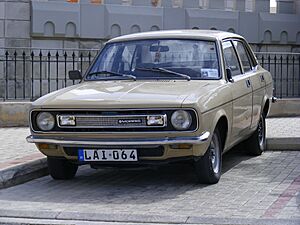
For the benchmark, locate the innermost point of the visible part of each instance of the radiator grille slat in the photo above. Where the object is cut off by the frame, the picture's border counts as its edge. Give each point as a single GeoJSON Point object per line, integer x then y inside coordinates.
{"type": "Point", "coordinates": [137, 121]}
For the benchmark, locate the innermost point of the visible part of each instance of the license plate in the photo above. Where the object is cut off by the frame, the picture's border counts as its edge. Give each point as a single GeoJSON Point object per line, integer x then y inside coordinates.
{"type": "Point", "coordinates": [107, 155]}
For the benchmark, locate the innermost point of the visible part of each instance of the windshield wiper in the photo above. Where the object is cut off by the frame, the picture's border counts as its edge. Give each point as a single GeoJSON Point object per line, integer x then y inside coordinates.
{"type": "Point", "coordinates": [113, 74]}
{"type": "Point", "coordinates": [164, 70]}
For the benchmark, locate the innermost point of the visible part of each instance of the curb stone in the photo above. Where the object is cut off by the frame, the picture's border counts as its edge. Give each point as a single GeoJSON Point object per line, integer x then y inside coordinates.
{"type": "Point", "coordinates": [23, 172]}
{"type": "Point", "coordinates": [241, 221]}
{"type": "Point", "coordinates": [23, 221]}
{"type": "Point", "coordinates": [285, 143]}
{"type": "Point", "coordinates": [137, 218]}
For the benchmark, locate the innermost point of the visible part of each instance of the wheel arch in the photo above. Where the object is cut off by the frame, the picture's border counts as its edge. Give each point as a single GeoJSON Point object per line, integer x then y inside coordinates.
{"type": "Point", "coordinates": [222, 124]}
{"type": "Point", "coordinates": [265, 107]}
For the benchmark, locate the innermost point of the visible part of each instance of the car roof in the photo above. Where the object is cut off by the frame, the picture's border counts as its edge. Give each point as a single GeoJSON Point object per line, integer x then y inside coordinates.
{"type": "Point", "coordinates": [181, 34]}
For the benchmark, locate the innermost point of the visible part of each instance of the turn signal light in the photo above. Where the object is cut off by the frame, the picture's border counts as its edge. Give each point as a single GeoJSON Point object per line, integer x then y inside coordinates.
{"type": "Point", "coordinates": [181, 146]}
{"type": "Point", "coordinates": [47, 146]}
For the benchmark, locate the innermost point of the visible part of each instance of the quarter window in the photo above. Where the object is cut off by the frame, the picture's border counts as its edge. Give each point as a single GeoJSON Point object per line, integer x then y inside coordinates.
{"type": "Point", "coordinates": [231, 60]}
{"type": "Point", "coordinates": [244, 56]}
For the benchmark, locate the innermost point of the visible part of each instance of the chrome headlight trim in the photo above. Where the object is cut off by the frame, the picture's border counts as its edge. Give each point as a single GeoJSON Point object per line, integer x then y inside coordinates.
{"type": "Point", "coordinates": [181, 120]}
{"type": "Point", "coordinates": [45, 121]}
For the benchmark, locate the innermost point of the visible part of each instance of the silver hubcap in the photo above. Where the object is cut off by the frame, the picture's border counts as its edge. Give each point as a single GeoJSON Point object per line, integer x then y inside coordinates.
{"type": "Point", "coordinates": [261, 133]}
{"type": "Point", "coordinates": [214, 154]}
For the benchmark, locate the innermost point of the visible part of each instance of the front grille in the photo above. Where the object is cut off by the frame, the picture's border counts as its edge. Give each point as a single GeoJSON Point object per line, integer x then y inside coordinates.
{"type": "Point", "coordinates": [110, 121]}
{"type": "Point", "coordinates": [155, 151]}
{"type": "Point", "coordinates": [89, 121]}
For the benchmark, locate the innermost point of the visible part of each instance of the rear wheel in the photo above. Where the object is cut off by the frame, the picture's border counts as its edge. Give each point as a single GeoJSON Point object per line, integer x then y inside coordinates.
{"type": "Point", "coordinates": [208, 167]}
{"type": "Point", "coordinates": [61, 169]}
{"type": "Point", "coordinates": [256, 144]}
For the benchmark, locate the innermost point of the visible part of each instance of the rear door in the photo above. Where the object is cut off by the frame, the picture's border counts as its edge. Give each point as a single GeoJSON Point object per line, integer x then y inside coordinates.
{"type": "Point", "coordinates": [256, 78]}
{"type": "Point", "coordinates": [241, 92]}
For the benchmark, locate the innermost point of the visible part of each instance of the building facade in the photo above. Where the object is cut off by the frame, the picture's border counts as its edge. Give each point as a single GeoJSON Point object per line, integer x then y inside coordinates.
{"type": "Point", "coordinates": [41, 40]}
{"type": "Point", "coordinates": [89, 23]}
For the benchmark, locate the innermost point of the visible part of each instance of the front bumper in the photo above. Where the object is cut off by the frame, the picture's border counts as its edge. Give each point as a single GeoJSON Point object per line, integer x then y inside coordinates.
{"type": "Point", "coordinates": [120, 142]}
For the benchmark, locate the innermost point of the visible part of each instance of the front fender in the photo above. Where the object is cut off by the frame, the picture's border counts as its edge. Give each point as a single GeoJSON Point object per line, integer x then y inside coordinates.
{"type": "Point", "coordinates": [210, 120]}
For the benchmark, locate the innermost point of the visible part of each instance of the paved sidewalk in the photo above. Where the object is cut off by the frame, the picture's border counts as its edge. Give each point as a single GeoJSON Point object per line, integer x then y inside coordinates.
{"type": "Point", "coordinates": [283, 127]}
{"type": "Point", "coordinates": [252, 191]}
{"type": "Point", "coordinates": [14, 146]}
{"type": "Point", "coordinates": [282, 134]}
{"type": "Point", "coordinates": [19, 161]}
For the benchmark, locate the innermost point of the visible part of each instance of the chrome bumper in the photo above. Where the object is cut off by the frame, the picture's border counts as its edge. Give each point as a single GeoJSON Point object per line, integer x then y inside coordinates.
{"type": "Point", "coordinates": [117, 142]}
{"type": "Point", "coordinates": [274, 99]}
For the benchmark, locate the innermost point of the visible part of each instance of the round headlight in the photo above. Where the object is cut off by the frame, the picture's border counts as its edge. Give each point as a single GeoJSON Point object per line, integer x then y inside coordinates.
{"type": "Point", "coordinates": [45, 121]}
{"type": "Point", "coordinates": [181, 120]}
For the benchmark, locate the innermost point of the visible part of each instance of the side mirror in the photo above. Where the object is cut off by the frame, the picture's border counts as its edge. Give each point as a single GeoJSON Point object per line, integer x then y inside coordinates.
{"type": "Point", "coordinates": [229, 75]}
{"type": "Point", "coordinates": [75, 75]}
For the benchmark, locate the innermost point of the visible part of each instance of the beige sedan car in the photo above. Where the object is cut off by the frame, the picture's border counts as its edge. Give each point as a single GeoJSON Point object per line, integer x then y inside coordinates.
{"type": "Point", "coordinates": [157, 97]}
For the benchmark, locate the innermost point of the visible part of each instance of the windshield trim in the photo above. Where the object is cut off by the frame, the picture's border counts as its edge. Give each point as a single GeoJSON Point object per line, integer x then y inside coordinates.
{"type": "Point", "coordinates": [107, 44]}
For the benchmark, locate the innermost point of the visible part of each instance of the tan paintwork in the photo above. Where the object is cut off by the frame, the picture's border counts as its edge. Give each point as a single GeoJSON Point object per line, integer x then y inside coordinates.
{"type": "Point", "coordinates": [180, 34]}
{"type": "Point", "coordinates": [212, 99]}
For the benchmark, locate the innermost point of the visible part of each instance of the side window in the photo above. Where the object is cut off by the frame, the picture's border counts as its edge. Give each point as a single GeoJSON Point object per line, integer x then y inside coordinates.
{"type": "Point", "coordinates": [231, 60]}
{"type": "Point", "coordinates": [252, 57]}
{"type": "Point", "coordinates": [244, 56]}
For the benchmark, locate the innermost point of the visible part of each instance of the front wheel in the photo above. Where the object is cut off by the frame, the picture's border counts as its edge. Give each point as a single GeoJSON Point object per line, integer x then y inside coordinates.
{"type": "Point", "coordinates": [256, 144]}
{"type": "Point", "coordinates": [208, 167]}
{"type": "Point", "coordinates": [61, 169]}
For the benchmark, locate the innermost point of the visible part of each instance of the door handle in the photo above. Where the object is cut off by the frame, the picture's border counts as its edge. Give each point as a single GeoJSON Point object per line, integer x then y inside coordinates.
{"type": "Point", "coordinates": [262, 78]}
{"type": "Point", "coordinates": [248, 83]}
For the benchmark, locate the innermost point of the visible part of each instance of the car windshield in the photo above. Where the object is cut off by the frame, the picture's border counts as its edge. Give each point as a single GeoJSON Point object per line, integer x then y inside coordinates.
{"type": "Point", "coordinates": [157, 59]}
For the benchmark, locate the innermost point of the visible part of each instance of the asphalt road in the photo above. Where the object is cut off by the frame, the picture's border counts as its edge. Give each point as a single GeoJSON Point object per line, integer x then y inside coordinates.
{"type": "Point", "coordinates": [252, 190]}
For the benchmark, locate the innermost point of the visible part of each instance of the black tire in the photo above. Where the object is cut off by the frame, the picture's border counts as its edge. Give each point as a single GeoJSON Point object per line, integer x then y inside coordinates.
{"type": "Point", "coordinates": [208, 167]}
{"type": "Point", "coordinates": [61, 169]}
{"type": "Point", "coordinates": [256, 143]}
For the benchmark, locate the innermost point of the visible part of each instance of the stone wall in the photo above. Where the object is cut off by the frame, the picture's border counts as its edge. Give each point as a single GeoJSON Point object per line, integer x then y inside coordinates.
{"type": "Point", "coordinates": [15, 23]}
{"type": "Point", "coordinates": [61, 24]}
{"type": "Point", "coordinates": [88, 24]}
{"type": "Point", "coordinates": [72, 21]}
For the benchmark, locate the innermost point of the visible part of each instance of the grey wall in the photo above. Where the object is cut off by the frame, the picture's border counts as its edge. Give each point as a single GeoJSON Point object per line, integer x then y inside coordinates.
{"type": "Point", "coordinates": [14, 23]}
{"type": "Point", "coordinates": [103, 21]}
{"type": "Point", "coordinates": [59, 24]}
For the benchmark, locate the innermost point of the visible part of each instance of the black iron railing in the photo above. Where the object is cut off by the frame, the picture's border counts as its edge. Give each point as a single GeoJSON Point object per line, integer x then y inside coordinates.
{"type": "Point", "coordinates": [31, 73]}
{"type": "Point", "coordinates": [285, 70]}
{"type": "Point", "coordinates": [26, 74]}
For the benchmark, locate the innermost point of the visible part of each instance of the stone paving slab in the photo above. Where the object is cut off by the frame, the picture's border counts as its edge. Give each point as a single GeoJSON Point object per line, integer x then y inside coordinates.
{"type": "Point", "coordinates": [283, 133]}
{"type": "Point", "coordinates": [288, 127]}
{"type": "Point", "coordinates": [190, 221]}
{"type": "Point", "coordinates": [14, 146]}
{"type": "Point", "coordinates": [252, 190]}
{"type": "Point", "coordinates": [20, 161]}
{"type": "Point", "coordinates": [23, 221]}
